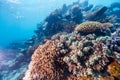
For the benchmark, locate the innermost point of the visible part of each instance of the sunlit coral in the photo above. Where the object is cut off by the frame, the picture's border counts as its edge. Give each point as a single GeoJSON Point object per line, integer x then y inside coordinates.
{"type": "Point", "coordinates": [92, 26]}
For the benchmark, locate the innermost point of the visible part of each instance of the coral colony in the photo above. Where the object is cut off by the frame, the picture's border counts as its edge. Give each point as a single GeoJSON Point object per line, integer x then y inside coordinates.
{"type": "Point", "coordinates": [72, 56]}
{"type": "Point", "coordinates": [83, 47]}
{"type": "Point", "coordinates": [77, 42]}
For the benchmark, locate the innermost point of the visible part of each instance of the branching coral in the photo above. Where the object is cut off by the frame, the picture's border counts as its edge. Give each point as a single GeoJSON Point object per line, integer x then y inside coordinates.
{"type": "Point", "coordinates": [92, 26]}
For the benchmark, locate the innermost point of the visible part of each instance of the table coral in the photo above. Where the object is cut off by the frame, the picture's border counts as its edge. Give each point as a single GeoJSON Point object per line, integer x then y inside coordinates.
{"type": "Point", "coordinates": [92, 26]}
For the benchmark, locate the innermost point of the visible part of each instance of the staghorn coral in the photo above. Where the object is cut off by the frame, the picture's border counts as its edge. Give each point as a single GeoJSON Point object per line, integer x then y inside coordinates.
{"type": "Point", "coordinates": [92, 26]}
{"type": "Point", "coordinates": [71, 57]}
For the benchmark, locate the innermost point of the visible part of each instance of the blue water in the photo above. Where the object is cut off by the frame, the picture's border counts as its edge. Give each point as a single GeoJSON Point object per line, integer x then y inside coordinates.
{"type": "Point", "coordinates": [18, 18]}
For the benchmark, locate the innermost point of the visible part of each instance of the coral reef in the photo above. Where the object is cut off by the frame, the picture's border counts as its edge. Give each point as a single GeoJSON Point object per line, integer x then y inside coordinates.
{"type": "Point", "coordinates": [65, 20]}
{"type": "Point", "coordinates": [82, 55]}
{"type": "Point", "coordinates": [72, 57]}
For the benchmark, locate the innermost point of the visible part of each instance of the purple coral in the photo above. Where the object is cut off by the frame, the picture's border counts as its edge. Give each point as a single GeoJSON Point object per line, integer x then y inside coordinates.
{"type": "Point", "coordinates": [114, 43]}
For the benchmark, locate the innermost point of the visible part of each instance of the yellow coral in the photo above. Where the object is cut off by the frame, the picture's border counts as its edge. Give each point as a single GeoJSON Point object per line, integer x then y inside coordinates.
{"type": "Point", "coordinates": [92, 26]}
{"type": "Point", "coordinates": [85, 78]}
{"type": "Point", "coordinates": [114, 69]}
{"type": "Point", "coordinates": [107, 78]}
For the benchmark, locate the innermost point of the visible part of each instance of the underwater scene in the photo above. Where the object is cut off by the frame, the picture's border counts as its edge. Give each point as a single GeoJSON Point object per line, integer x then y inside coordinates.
{"type": "Point", "coordinates": [59, 39]}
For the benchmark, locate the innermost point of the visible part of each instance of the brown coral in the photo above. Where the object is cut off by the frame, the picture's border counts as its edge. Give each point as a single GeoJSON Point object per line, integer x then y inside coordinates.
{"type": "Point", "coordinates": [114, 69]}
{"type": "Point", "coordinates": [107, 78]}
{"type": "Point", "coordinates": [92, 26]}
{"type": "Point", "coordinates": [43, 65]}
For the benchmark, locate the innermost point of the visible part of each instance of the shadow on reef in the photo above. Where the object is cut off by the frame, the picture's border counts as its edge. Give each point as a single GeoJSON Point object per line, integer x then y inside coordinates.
{"type": "Point", "coordinates": [99, 21]}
